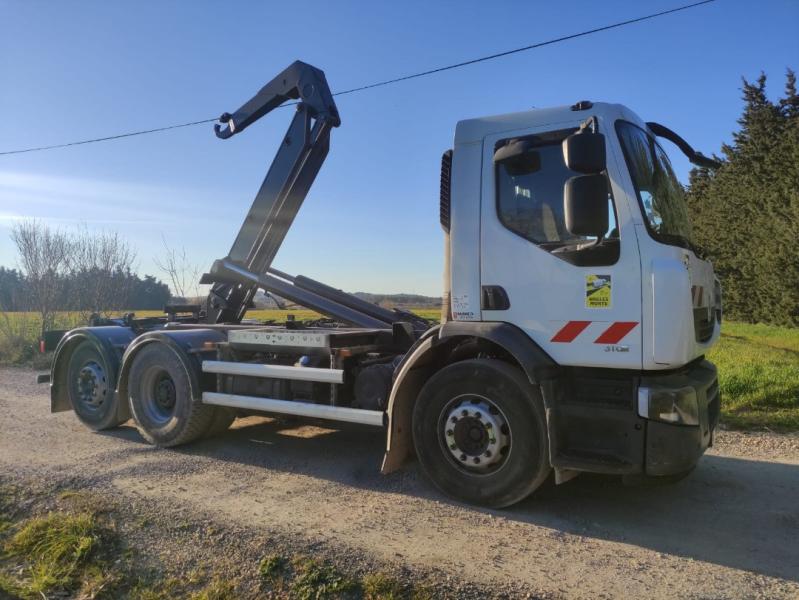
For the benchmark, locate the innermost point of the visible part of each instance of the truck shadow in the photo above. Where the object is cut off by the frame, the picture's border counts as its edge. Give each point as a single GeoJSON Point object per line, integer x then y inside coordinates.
{"type": "Point", "coordinates": [733, 512]}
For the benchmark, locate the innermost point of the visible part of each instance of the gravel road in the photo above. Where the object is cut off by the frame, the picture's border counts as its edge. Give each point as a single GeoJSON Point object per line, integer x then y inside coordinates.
{"type": "Point", "coordinates": [730, 530]}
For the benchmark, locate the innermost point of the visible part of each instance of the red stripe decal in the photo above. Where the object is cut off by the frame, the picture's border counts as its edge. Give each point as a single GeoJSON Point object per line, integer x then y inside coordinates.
{"type": "Point", "coordinates": [616, 332]}
{"type": "Point", "coordinates": [570, 331]}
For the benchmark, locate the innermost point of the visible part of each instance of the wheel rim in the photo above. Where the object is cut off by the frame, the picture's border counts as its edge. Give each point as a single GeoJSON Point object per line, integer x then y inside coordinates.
{"type": "Point", "coordinates": [158, 395]}
{"type": "Point", "coordinates": [91, 386]}
{"type": "Point", "coordinates": [474, 434]}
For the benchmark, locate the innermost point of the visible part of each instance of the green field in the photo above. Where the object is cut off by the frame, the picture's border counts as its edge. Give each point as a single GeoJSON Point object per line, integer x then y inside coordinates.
{"type": "Point", "coordinates": [758, 364]}
{"type": "Point", "coordinates": [759, 376]}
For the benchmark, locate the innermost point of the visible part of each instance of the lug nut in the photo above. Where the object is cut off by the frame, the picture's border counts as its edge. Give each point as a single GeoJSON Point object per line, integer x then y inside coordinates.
{"type": "Point", "coordinates": [477, 415]}
{"type": "Point", "coordinates": [454, 419]}
{"type": "Point", "coordinates": [452, 446]}
{"type": "Point", "coordinates": [488, 453]}
{"type": "Point", "coordinates": [464, 413]}
{"type": "Point", "coordinates": [477, 460]}
{"type": "Point", "coordinates": [463, 457]}
{"type": "Point", "coordinates": [489, 425]}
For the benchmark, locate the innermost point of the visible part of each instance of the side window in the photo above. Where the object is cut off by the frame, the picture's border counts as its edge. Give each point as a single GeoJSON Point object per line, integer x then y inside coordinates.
{"type": "Point", "coordinates": [530, 203]}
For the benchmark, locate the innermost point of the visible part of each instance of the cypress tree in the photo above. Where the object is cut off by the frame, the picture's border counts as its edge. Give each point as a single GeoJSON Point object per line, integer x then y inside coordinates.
{"type": "Point", "coordinates": [746, 213]}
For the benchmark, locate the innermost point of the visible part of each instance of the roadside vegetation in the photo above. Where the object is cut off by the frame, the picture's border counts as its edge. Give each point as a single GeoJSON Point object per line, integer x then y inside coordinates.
{"type": "Point", "coordinates": [73, 545]}
{"type": "Point", "coordinates": [759, 376]}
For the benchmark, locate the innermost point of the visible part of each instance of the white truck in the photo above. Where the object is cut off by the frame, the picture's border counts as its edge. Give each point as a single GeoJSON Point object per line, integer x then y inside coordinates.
{"type": "Point", "coordinates": [576, 314]}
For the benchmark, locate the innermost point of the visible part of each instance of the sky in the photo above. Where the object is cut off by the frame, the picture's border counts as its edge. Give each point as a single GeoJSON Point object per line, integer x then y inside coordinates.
{"type": "Point", "coordinates": [77, 70]}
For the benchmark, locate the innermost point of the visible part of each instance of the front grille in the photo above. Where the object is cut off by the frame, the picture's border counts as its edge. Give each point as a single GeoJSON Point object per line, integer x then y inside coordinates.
{"type": "Point", "coordinates": [704, 324]}
{"type": "Point", "coordinates": [602, 392]}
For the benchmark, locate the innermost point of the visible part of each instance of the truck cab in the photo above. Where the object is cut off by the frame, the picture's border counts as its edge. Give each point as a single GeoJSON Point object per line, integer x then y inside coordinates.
{"type": "Point", "coordinates": [626, 312]}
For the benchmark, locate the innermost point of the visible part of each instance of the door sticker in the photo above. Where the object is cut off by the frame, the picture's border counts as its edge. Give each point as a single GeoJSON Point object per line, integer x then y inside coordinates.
{"type": "Point", "coordinates": [598, 291]}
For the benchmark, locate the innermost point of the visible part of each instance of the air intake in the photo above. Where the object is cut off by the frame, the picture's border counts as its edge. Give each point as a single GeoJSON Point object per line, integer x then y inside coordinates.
{"type": "Point", "coordinates": [445, 198]}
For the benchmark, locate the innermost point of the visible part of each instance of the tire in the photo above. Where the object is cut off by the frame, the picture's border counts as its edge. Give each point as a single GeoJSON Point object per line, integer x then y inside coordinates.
{"type": "Point", "coordinates": [453, 419]}
{"type": "Point", "coordinates": [221, 422]}
{"type": "Point", "coordinates": [159, 393]}
{"type": "Point", "coordinates": [90, 383]}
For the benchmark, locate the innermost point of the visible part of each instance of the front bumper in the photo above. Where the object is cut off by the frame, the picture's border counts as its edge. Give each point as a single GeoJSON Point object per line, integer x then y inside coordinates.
{"type": "Point", "coordinates": [672, 449]}
{"type": "Point", "coordinates": [594, 423]}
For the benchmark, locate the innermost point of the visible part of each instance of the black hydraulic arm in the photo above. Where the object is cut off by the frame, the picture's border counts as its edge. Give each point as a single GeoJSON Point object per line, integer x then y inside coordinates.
{"type": "Point", "coordinates": [293, 170]}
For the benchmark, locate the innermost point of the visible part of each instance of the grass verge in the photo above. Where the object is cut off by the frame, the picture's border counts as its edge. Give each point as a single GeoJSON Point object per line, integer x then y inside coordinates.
{"type": "Point", "coordinates": [66, 548]}
{"type": "Point", "coordinates": [758, 376]}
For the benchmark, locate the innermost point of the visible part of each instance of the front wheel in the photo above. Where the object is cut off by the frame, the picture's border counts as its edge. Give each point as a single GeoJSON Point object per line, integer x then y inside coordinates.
{"type": "Point", "coordinates": [479, 429]}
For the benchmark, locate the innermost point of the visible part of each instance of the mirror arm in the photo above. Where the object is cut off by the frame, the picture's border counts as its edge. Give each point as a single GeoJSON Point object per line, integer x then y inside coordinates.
{"type": "Point", "coordinates": [591, 122]}
{"type": "Point", "coordinates": [696, 158]}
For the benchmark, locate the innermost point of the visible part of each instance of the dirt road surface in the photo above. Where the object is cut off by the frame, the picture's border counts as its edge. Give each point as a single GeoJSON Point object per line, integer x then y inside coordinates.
{"type": "Point", "coordinates": [730, 530]}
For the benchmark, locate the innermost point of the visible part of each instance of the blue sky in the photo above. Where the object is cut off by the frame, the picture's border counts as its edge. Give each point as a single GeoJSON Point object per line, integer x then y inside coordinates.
{"type": "Point", "coordinates": [75, 70]}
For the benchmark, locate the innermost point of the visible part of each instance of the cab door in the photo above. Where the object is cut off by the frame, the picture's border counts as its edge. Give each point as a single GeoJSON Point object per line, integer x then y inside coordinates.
{"type": "Point", "coordinates": [579, 300]}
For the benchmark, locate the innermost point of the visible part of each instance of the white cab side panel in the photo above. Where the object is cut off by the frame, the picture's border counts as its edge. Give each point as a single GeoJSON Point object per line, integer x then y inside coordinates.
{"type": "Point", "coordinates": [465, 231]}
{"type": "Point", "coordinates": [673, 329]}
{"type": "Point", "coordinates": [675, 282]}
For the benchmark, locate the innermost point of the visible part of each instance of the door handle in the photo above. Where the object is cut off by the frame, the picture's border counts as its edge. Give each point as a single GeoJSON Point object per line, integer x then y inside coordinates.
{"type": "Point", "coordinates": [494, 297]}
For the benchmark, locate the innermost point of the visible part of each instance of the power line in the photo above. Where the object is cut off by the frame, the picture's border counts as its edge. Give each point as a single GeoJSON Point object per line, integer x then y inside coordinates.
{"type": "Point", "coordinates": [110, 137]}
{"type": "Point", "coordinates": [390, 81]}
{"type": "Point", "coordinates": [525, 48]}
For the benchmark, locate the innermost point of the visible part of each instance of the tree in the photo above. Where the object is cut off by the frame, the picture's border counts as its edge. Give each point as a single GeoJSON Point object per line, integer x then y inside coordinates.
{"type": "Point", "coordinates": [183, 274]}
{"type": "Point", "coordinates": [746, 213]}
{"type": "Point", "coordinates": [100, 266]}
{"type": "Point", "coordinates": [149, 293]}
{"type": "Point", "coordinates": [44, 259]}
{"type": "Point", "coordinates": [12, 290]}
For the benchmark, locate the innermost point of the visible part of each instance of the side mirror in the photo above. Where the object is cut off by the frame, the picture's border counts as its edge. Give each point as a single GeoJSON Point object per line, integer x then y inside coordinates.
{"type": "Point", "coordinates": [585, 205]}
{"type": "Point", "coordinates": [519, 157]}
{"type": "Point", "coordinates": [584, 152]}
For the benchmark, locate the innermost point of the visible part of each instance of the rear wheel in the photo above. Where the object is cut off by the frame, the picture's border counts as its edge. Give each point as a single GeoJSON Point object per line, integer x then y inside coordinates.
{"type": "Point", "coordinates": [479, 430]}
{"type": "Point", "coordinates": [90, 386]}
{"type": "Point", "coordinates": [222, 420]}
{"type": "Point", "coordinates": [159, 392]}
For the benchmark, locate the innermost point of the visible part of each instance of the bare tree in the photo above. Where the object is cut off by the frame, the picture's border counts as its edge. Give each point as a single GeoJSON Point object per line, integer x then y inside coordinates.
{"type": "Point", "coordinates": [183, 274]}
{"type": "Point", "coordinates": [44, 258]}
{"type": "Point", "coordinates": [100, 265]}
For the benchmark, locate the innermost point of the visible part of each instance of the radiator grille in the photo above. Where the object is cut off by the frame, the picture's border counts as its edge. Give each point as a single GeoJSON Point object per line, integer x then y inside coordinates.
{"type": "Point", "coordinates": [601, 392]}
{"type": "Point", "coordinates": [704, 324]}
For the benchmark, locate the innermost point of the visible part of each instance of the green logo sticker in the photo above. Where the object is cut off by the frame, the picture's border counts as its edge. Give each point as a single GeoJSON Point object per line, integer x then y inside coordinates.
{"type": "Point", "coordinates": [598, 291]}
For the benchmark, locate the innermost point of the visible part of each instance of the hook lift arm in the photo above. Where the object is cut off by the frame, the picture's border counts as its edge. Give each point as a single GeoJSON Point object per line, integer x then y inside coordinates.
{"type": "Point", "coordinates": [293, 170]}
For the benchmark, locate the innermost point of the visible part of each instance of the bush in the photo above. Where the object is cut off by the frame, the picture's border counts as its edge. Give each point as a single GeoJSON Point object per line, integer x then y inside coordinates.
{"type": "Point", "coordinates": [18, 338]}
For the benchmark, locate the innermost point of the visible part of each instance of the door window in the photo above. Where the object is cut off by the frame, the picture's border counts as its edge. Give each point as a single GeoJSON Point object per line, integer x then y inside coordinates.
{"type": "Point", "coordinates": [530, 203]}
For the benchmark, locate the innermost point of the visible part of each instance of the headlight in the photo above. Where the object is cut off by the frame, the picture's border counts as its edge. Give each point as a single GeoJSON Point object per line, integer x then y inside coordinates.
{"type": "Point", "coordinates": [678, 406]}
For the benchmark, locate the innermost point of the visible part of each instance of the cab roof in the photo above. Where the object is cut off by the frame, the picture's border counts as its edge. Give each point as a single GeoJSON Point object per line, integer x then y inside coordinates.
{"type": "Point", "coordinates": [474, 130]}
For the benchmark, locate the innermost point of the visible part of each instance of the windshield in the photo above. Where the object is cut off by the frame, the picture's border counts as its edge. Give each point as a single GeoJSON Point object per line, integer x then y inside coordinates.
{"type": "Point", "coordinates": [661, 195]}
